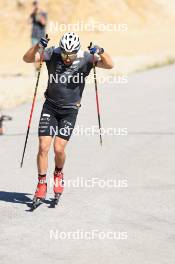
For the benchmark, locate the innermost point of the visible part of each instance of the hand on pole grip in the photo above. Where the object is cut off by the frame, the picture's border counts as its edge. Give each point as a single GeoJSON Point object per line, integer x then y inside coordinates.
{"type": "Point", "coordinates": [95, 49]}
{"type": "Point", "coordinates": [44, 42]}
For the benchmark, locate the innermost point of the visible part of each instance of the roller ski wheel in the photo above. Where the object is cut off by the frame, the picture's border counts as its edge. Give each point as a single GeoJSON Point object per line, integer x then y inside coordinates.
{"type": "Point", "coordinates": [55, 200]}
{"type": "Point", "coordinates": [36, 203]}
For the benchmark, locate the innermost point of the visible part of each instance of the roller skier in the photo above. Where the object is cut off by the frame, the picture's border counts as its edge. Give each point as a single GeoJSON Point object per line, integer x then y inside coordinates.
{"type": "Point", "coordinates": [63, 100]}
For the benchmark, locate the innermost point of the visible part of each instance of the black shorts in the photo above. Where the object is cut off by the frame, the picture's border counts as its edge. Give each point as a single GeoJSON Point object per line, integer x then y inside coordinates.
{"type": "Point", "coordinates": [57, 121]}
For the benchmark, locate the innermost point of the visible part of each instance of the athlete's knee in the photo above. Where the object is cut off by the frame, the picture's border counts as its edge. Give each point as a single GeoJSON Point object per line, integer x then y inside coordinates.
{"type": "Point", "coordinates": [59, 151]}
{"type": "Point", "coordinates": [43, 148]}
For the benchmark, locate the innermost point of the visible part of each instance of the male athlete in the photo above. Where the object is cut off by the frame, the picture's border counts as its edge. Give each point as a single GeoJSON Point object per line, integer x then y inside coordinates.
{"type": "Point", "coordinates": [63, 98]}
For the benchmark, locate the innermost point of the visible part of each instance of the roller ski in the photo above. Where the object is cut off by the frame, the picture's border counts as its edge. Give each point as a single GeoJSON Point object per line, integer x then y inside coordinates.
{"type": "Point", "coordinates": [40, 193]}
{"type": "Point", "coordinates": [58, 188]}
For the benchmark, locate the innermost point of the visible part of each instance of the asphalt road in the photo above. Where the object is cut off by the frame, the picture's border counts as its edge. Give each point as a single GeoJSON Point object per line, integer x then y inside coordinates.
{"type": "Point", "coordinates": [130, 223]}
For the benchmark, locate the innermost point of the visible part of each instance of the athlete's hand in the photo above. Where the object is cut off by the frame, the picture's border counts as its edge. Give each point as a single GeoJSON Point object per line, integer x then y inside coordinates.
{"type": "Point", "coordinates": [43, 43]}
{"type": "Point", "coordinates": [95, 49]}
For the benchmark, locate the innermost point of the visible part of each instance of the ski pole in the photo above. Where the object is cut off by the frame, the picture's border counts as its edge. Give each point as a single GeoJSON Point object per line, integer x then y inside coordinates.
{"type": "Point", "coordinates": [33, 104]}
{"type": "Point", "coordinates": [97, 97]}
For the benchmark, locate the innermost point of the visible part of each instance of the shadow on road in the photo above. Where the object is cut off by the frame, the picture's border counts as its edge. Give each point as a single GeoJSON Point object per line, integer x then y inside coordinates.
{"type": "Point", "coordinates": [14, 197]}
{"type": "Point", "coordinates": [22, 198]}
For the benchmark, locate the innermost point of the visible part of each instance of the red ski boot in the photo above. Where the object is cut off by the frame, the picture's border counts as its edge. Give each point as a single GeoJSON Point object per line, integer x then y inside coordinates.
{"type": "Point", "coordinates": [58, 185]}
{"type": "Point", "coordinates": [40, 192]}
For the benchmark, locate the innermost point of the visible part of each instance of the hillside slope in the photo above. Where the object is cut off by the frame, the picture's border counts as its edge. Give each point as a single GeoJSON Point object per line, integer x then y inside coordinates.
{"type": "Point", "coordinates": [149, 26]}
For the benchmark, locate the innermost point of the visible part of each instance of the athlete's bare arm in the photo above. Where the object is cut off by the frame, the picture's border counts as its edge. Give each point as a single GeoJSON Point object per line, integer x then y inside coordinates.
{"type": "Point", "coordinates": [32, 55]}
{"type": "Point", "coordinates": [105, 61]}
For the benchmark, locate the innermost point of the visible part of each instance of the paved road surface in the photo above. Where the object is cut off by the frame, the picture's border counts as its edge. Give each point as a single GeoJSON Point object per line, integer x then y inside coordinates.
{"type": "Point", "coordinates": [141, 215]}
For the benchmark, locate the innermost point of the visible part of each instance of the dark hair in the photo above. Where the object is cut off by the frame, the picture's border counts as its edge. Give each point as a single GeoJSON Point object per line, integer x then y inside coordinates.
{"type": "Point", "coordinates": [35, 2]}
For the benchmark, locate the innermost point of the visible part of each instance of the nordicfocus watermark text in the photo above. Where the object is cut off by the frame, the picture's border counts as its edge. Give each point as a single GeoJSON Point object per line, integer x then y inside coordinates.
{"type": "Point", "coordinates": [90, 26]}
{"type": "Point", "coordinates": [80, 130]}
{"type": "Point", "coordinates": [81, 182]}
{"type": "Point", "coordinates": [80, 79]}
{"type": "Point", "coordinates": [81, 234]}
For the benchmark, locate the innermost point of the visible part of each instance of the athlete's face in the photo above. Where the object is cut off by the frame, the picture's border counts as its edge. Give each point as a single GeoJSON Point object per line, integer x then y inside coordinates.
{"type": "Point", "coordinates": [68, 57]}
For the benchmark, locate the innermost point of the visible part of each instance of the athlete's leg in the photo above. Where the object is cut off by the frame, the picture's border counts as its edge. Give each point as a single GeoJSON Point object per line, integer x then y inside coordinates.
{"type": "Point", "coordinates": [66, 125]}
{"type": "Point", "coordinates": [59, 149]}
{"type": "Point", "coordinates": [47, 122]}
{"type": "Point", "coordinates": [42, 162]}
{"type": "Point", "coordinates": [46, 131]}
{"type": "Point", "coordinates": [42, 158]}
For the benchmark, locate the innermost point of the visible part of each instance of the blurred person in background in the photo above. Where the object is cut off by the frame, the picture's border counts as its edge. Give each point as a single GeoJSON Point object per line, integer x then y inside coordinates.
{"type": "Point", "coordinates": [2, 119]}
{"type": "Point", "coordinates": [63, 97]}
{"type": "Point", "coordinates": [38, 19]}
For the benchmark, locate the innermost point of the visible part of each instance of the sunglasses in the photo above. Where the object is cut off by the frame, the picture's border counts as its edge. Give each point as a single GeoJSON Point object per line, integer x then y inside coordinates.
{"type": "Point", "coordinates": [70, 56]}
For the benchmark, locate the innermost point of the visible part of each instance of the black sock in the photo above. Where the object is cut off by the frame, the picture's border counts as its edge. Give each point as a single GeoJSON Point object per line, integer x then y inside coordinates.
{"type": "Point", "coordinates": [58, 169]}
{"type": "Point", "coordinates": [41, 175]}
